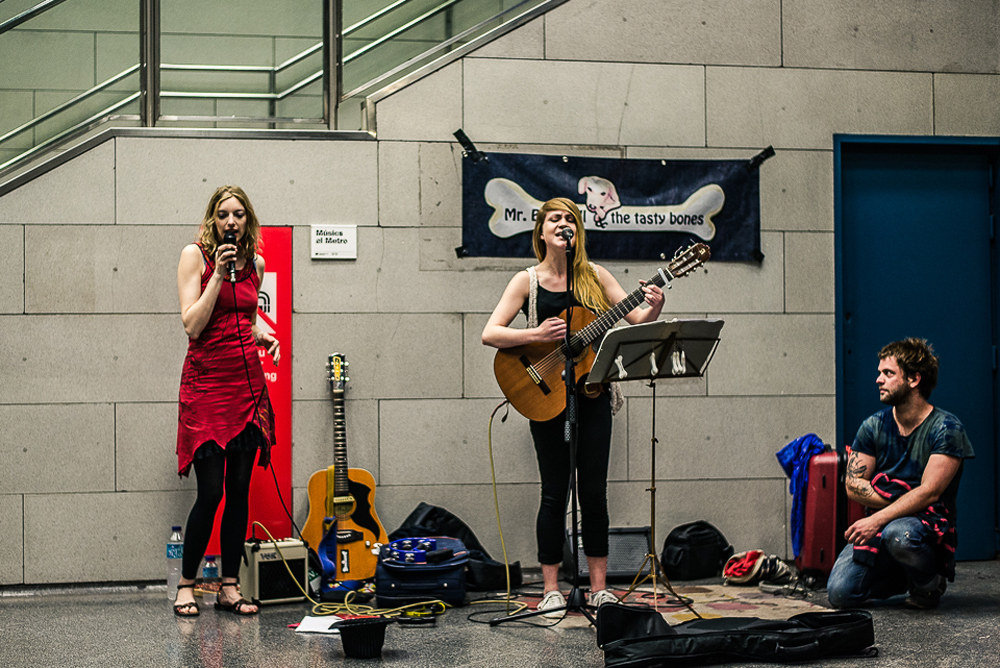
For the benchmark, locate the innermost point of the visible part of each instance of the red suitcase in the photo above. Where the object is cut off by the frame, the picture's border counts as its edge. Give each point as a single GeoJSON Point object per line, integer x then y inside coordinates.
{"type": "Point", "coordinates": [827, 513]}
{"type": "Point", "coordinates": [819, 535]}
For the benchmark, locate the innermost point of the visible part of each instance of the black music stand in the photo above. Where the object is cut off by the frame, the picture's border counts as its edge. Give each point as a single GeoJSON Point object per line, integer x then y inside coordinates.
{"type": "Point", "coordinates": [660, 349]}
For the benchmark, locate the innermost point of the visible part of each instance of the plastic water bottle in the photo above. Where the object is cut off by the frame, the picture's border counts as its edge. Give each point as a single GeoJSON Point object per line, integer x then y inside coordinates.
{"type": "Point", "coordinates": [210, 580]}
{"type": "Point", "coordinates": [175, 555]}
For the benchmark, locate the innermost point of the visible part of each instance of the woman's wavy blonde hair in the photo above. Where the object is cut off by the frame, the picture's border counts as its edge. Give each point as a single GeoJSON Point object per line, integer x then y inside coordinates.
{"type": "Point", "coordinates": [587, 288]}
{"type": "Point", "coordinates": [207, 234]}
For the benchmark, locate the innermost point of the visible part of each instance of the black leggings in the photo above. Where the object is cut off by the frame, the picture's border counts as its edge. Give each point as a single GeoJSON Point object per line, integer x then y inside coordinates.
{"type": "Point", "coordinates": [228, 471]}
{"type": "Point", "coordinates": [593, 451]}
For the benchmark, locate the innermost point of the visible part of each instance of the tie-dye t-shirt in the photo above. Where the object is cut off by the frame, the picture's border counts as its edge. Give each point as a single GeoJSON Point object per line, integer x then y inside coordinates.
{"type": "Point", "coordinates": [905, 457]}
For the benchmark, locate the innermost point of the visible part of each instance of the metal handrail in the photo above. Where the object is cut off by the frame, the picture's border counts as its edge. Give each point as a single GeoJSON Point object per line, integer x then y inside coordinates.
{"type": "Point", "coordinates": [374, 17]}
{"type": "Point", "coordinates": [246, 96]}
{"type": "Point", "coordinates": [420, 70]}
{"type": "Point", "coordinates": [69, 103]}
{"type": "Point", "coordinates": [302, 56]}
{"type": "Point", "coordinates": [300, 85]}
{"type": "Point", "coordinates": [76, 129]}
{"type": "Point", "coordinates": [217, 68]}
{"type": "Point", "coordinates": [428, 61]}
{"type": "Point", "coordinates": [28, 14]}
{"type": "Point", "coordinates": [403, 28]}
{"type": "Point", "coordinates": [441, 46]}
{"type": "Point", "coordinates": [261, 69]}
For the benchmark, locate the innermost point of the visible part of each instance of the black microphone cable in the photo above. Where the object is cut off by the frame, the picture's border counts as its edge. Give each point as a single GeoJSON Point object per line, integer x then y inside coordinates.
{"type": "Point", "coordinates": [256, 409]}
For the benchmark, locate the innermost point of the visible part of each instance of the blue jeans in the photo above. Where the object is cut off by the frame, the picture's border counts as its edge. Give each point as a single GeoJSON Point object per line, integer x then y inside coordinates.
{"type": "Point", "coordinates": [905, 561]}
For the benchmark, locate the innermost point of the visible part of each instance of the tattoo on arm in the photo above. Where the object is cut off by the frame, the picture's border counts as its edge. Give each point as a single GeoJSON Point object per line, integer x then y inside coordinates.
{"type": "Point", "coordinates": [854, 468]}
{"type": "Point", "coordinates": [864, 490]}
{"type": "Point", "coordinates": [857, 479]}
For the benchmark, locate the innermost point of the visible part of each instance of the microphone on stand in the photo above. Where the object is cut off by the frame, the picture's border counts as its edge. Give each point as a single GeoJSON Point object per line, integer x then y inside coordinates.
{"type": "Point", "coordinates": [566, 233]}
{"type": "Point", "coordinates": [230, 238]}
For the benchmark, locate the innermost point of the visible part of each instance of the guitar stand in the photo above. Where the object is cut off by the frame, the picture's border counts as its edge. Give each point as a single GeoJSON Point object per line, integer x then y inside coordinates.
{"type": "Point", "coordinates": [642, 352]}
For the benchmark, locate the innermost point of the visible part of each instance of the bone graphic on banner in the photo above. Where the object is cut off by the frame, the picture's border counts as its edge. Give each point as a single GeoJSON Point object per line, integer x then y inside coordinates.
{"type": "Point", "coordinates": [514, 212]}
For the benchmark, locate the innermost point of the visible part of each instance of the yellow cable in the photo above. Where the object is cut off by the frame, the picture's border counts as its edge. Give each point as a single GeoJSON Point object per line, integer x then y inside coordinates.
{"type": "Point", "coordinates": [496, 505]}
{"type": "Point", "coordinates": [321, 609]}
{"type": "Point", "coordinates": [437, 607]}
{"type": "Point", "coordinates": [284, 561]}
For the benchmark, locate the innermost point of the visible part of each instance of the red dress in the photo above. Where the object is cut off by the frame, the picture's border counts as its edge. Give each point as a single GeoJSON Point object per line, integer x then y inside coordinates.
{"type": "Point", "coordinates": [216, 401]}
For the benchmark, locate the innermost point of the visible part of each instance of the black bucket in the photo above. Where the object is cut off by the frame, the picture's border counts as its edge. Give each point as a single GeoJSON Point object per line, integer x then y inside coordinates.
{"type": "Point", "coordinates": [362, 637]}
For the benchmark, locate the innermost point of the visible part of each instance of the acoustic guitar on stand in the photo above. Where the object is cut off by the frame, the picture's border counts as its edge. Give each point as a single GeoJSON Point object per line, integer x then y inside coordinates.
{"type": "Point", "coordinates": [342, 526]}
{"type": "Point", "coordinates": [530, 376]}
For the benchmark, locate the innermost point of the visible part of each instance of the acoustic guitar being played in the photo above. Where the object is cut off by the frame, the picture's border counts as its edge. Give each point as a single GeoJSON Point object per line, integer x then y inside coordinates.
{"type": "Point", "coordinates": [530, 376]}
{"type": "Point", "coordinates": [342, 526]}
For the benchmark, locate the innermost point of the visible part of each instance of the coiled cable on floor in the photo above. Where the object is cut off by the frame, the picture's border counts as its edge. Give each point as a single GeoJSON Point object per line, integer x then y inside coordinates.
{"type": "Point", "coordinates": [347, 607]}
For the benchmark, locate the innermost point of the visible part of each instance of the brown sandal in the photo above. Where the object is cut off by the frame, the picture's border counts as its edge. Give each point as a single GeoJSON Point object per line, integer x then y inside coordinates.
{"type": "Point", "coordinates": [237, 607]}
{"type": "Point", "coordinates": [184, 609]}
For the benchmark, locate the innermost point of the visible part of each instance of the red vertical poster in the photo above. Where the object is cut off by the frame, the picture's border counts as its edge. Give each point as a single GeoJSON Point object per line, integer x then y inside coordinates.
{"type": "Point", "coordinates": [274, 315]}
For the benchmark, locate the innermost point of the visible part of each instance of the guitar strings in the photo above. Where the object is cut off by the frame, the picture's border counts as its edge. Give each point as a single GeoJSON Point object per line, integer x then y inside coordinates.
{"type": "Point", "coordinates": [588, 334]}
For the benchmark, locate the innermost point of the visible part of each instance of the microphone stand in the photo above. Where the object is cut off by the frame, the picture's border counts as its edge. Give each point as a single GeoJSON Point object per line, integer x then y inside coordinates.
{"type": "Point", "coordinates": [575, 601]}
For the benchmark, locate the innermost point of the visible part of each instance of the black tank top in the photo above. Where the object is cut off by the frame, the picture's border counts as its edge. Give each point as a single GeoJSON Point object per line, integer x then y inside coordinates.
{"type": "Point", "coordinates": [548, 304]}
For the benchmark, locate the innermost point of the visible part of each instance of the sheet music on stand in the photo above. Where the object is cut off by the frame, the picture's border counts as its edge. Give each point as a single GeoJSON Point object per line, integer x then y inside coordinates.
{"type": "Point", "coordinates": [660, 349]}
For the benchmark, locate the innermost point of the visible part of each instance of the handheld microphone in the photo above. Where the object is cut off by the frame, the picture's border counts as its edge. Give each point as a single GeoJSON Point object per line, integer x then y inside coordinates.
{"type": "Point", "coordinates": [566, 233]}
{"type": "Point", "coordinates": [230, 238]}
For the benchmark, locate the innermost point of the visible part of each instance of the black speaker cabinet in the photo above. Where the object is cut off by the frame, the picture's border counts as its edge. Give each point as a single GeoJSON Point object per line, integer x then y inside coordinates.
{"type": "Point", "coordinates": [627, 549]}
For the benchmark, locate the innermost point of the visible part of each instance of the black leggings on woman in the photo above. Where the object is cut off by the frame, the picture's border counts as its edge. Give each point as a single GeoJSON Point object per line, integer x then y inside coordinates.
{"type": "Point", "coordinates": [592, 453]}
{"type": "Point", "coordinates": [224, 470]}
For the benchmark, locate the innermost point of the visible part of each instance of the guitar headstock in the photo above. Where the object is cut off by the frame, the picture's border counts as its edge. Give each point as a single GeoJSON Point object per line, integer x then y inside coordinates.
{"type": "Point", "coordinates": [688, 259]}
{"type": "Point", "coordinates": [337, 366]}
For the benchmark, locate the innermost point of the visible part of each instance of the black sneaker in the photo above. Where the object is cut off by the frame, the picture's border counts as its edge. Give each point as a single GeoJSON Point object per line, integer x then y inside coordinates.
{"type": "Point", "coordinates": [928, 600]}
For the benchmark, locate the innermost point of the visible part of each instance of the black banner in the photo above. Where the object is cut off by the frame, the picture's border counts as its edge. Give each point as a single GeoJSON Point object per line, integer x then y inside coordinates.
{"type": "Point", "coordinates": [633, 209]}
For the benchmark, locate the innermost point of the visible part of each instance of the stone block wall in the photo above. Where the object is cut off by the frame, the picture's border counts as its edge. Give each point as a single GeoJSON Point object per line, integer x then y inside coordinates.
{"type": "Point", "coordinates": [91, 344]}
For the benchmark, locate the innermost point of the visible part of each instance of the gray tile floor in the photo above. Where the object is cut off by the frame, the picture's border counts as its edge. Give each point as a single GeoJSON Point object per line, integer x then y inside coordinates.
{"type": "Point", "coordinates": [133, 626]}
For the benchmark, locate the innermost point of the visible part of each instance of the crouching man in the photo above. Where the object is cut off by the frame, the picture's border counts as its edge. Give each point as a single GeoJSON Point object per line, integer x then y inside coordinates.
{"type": "Point", "coordinates": [905, 466]}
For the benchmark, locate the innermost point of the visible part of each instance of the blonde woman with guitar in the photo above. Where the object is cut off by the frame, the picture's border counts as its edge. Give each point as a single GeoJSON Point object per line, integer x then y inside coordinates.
{"type": "Point", "coordinates": [540, 292]}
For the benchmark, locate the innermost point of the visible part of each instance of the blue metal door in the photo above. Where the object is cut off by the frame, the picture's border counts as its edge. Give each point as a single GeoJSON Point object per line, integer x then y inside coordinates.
{"type": "Point", "coordinates": [915, 257]}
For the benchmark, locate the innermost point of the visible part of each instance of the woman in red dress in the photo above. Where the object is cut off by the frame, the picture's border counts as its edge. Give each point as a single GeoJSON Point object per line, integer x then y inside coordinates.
{"type": "Point", "coordinates": [224, 414]}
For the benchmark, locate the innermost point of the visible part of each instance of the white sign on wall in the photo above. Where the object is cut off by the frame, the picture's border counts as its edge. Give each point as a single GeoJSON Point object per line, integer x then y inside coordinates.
{"type": "Point", "coordinates": [334, 242]}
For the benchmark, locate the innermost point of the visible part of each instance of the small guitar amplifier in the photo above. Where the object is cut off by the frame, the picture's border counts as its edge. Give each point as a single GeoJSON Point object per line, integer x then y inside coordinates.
{"type": "Point", "coordinates": [627, 548]}
{"type": "Point", "coordinates": [263, 576]}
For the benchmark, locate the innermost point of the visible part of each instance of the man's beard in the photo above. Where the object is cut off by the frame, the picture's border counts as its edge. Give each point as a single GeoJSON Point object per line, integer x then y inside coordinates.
{"type": "Point", "coordinates": [894, 397]}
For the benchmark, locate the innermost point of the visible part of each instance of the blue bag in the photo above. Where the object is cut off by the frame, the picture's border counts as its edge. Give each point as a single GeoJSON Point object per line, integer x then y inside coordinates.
{"type": "Point", "coordinates": [408, 572]}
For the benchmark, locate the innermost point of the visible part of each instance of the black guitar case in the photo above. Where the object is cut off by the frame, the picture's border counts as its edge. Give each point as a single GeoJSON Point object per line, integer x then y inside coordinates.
{"type": "Point", "coordinates": [634, 636]}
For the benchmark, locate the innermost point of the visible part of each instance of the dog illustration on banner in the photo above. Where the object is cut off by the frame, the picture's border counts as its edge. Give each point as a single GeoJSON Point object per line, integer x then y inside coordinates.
{"type": "Point", "coordinates": [601, 196]}
{"type": "Point", "coordinates": [514, 210]}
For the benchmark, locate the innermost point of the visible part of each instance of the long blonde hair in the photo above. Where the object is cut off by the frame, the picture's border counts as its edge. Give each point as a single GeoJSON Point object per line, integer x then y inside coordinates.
{"type": "Point", "coordinates": [208, 236]}
{"type": "Point", "coordinates": [587, 286]}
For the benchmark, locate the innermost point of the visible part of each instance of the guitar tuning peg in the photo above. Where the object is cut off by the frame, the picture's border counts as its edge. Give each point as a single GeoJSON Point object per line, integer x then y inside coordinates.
{"type": "Point", "coordinates": [663, 256]}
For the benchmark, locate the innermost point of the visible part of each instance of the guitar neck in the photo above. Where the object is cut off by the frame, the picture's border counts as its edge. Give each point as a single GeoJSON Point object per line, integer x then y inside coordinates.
{"type": "Point", "coordinates": [339, 445]}
{"type": "Point", "coordinates": [610, 318]}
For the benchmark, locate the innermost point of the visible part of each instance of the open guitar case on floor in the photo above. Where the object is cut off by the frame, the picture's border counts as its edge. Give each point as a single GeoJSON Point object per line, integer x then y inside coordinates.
{"type": "Point", "coordinates": [638, 636]}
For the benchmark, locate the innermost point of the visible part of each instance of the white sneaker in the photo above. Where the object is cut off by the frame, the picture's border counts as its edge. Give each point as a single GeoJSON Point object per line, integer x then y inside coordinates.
{"type": "Point", "coordinates": [599, 598]}
{"type": "Point", "coordinates": [555, 601]}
